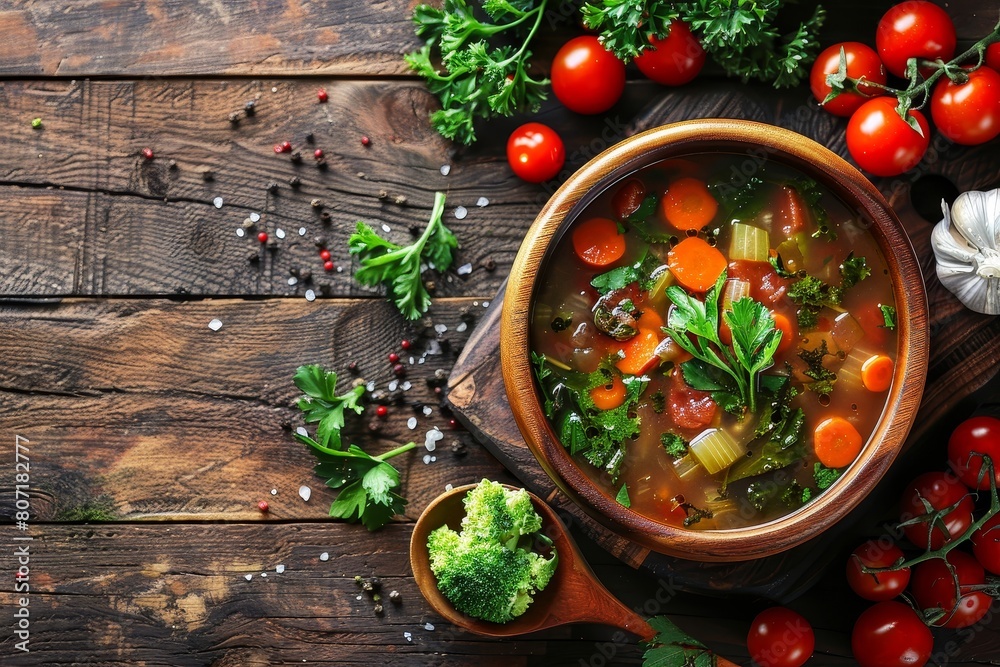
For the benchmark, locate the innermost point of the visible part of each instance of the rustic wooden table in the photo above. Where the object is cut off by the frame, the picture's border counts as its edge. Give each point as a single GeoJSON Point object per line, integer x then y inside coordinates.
{"type": "Point", "coordinates": [151, 437]}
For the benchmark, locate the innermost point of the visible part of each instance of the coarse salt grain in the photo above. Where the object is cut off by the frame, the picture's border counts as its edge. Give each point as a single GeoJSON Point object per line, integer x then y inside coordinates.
{"type": "Point", "coordinates": [433, 459]}
{"type": "Point", "coordinates": [217, 202]}
{"type": "Point", "coordinates": [486, 304]}
{"type": "Point", "coordinates": [411, 423]}
{"type": "Point", "coordinates": [215, 325]}
{"type": "Point", "coordinates": [302, 231]}
{"type": "Point", "coordinates": [240, 232]}
{"type": "Point", "coordinates": [279, 232]}
{"type": "Point", "coordinates": [393, 386]}
{"type": "Point", "coordinates": [280, 569]}
{"type": "Point", "coordinates": [445, 169]}
{"type": "Point", "coordinates": [448, 487]}
{"type": "Point", "coordinates": [427, 459]}
{"type": "Point", "coordinates": [293, 280]}
{"type": "Point", "coordinates": [440, 328]}
{"type": "Point", "coordinates": [461, 212]}
{"type": "Point", "coordinates": [310, 295]}
{"type": "Point", "coordinates": [305, 492]}
{"type": "Point", "coordinates": [462, 326]}
{"type": "Point", "coordinates": [325, 556]}
{"type": "Point", "coordinates": [263, 574]}
{"type": "Point", "coordinates": [340, 269]}
{"type": "Point", "coordinates": [386, 228]}
{"type": "Point", "coordinates": [358, 598]}
{"type": "Point", "coordinates": [255, 217]}
{"type": "Point", "coordinates": [248, 577]}
{"type": "Point", "coordinates": [370, 386]}
{"type": "Point", "coordinates": [274, 492]}
{"type": "Point", "coordinates": [406, 386]}
{"type": "Point", "coordinates": [482, 201]}
{"type": "Point", "coordinates": [427, 410]}
{"type": "Point", "coordinates": [464, 270]}
{"type": "Point", "coordinates": [407, 636]}
{"type": "Point", "coordinates": [429, 626]}
{"type": "Point", "coordinates": [302, 431]}
{"type": "Point", "coordinates": [433, 347]}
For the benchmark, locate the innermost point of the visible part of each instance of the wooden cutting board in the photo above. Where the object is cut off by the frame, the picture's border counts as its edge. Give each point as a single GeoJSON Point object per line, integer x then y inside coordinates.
{"type": "Point", "coordinates": [964, 355]}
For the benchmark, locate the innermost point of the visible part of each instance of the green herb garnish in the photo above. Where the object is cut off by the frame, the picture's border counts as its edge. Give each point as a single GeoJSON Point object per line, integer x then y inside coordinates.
{"type": "Point", "coordinates": [479, 80]}
{"type": "Point", "coordinates": [853, 270]}
{"type": "Point", "coordinates": [823, 378]}
{"type": "Point", "coordinates": [825, 477]}
{"type": "Point", "coordinates": [740, 35]}
{"type": "Point", "coordinates": [399, 267]}
{"type": "Point", "coordinates": [778, 439]}
{"type": "Point", "coordinates": [622, 496]}
{"type": "Point", "coordinates": [671, 647]}
{"type": "Point", "coordinates": [729, 372]}
{"type": "Point", "coordinates": [366, 482]}
{"type": "Point", "coordinates": [675, 445]}
{"type": "Point", "coordinates": [888, 317]}
{"type": "Point", "coordinates": [623, 276]}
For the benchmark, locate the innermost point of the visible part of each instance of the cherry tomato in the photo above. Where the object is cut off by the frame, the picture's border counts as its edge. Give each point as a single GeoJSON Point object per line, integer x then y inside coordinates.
{"type": "Point", "coordinates": [881, 586]}
{"type": "Point", "coordinates": [585, 77]}
{"type": "Point", "coordinates": [780, 637]}
{"type": "Point", "coordinates": [941, 490]}
{"type": "Point", "coordinates": [934, 588]}
{"type": "Point", "coordinates": [675, 59]}
{"type": "Point", "coordinates": [981, 435]}
{"type": "Point", "coordinates": [986, 544]}
{"type": "Point", "coordinates": [535, 152]}
{"type": "Point", "coordinates": [993, 56]}
{"type": "Point", "coordinates": [881, 142]}
{"type": "Point", "coordinates": [891, 634]}
{"type": "Point", "coordinates": [914, 29]}
{"type": "Point", "coordinates": [968, 113]}
{"type": "Point", "coordinates": [862, 61]}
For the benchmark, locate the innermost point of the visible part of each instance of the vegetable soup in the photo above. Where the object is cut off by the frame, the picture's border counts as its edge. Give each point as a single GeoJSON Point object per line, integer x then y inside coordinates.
{"type": "Point", "coordinates": [714, 350]}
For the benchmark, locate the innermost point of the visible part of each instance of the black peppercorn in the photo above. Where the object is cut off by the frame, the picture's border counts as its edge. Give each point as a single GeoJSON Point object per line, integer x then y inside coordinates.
{"type": "Point", "coordinates": [458, 448]}
{"type": "Point", "coordinates": [272, 188]}
{"type": "Point", "coordinates": [378, 609]}
{"type": "Point", "coordinates": [310, 138]}
{"type": "Point", "coordinates": [234, 118]}
{"type": "Point", "coordinates": [250, 108]}
{"type": "Point", "coordinates": [296, 157]}
{"type": "Point", "coordinates": [295, 181]}
{"type": "Point", "coordinates": [325, 216]}
{"type": "Point", "coordinates": [395, 597]}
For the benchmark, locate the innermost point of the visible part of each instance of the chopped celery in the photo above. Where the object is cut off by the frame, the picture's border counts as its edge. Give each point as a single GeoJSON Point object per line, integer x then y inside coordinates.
{"type": "Point", "coordinates": [846, 332]}
{"type": "Point", "coordinates": [850, 370]}
{"type": "Point", "coordinates": [716, 450]}
{"type": "Point", "coordinates": [662, 279]}
{"type": "Point", "coordinates": [685, 466]}
{"type": "Point", "coordinates": [749, 243]}
{"type": "Point", "coordinates": [734, 290]}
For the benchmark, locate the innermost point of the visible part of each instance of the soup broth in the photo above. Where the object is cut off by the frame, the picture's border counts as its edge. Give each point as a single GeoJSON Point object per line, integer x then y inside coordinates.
{"type": "Point", "coordinates": [714, 349]}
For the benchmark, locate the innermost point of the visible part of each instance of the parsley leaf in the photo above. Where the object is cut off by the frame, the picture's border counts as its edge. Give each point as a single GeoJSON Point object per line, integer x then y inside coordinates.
{"type": "Point", "coordinates": [399, 267]}
{"type": "Point", "coordinates": [675, 445]}
{"type": "Point", "coordinates": [825, 477]}
{"type": "Point", "coordinates": [823, 378]}
{"type": "Point", "coordinates": [366, 482]}
{"type": "Point", "coordinates": [628, 25]}
{"type": "Point", "coordinates": [853, 271]}
{"type": "Point", "coordinates": [622, 496]}
{"type": "Point", "coordinates": [888, 316]}
{"type": "Point", "coordinates": [322, 404]}
{"type": "Point", "coordinates": [671, 647]}
{"type": "Point", "coordinates": [622, 276]}
{"type": "Point", "coordinates": [729, 372]}
{"type": "Point", "coordinates": [778, 440]}
{"type": "Point", "coordinates": [479, 80]}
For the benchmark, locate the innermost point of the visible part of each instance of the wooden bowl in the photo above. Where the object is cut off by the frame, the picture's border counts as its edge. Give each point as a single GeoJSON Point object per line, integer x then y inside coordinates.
{"type": "Point", "coordinates": [758, 141]}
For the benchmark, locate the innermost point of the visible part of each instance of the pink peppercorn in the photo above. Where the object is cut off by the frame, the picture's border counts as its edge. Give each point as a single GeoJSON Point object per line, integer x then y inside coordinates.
{"type": "Point", "coordinates": [263, 506]}
{"type": "Point", "coordinates": [262, 237]}
{"type": "Point", "coordinates": [322, 95]}
{"type": "Point", "coordinates": [318, 153]}
{"type": "Point", "coordinates": [148, 153]}
{"type": "Point", "coordinates": [324, 254]}
{"type": "Point", "coordinates": [328, 265]}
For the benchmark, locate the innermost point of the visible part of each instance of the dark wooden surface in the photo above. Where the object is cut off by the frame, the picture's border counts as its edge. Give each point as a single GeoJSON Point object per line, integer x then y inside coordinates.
{"type": "Point", "coordinates": [152, 438]}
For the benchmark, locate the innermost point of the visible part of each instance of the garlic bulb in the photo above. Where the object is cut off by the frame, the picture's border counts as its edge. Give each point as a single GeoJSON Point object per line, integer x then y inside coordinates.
{"type": "Point", "coordinates": [967, 248]}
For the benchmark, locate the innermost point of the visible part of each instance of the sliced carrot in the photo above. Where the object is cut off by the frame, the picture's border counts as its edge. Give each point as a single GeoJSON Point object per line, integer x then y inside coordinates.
{"type": "Point", "coordinates": [688, 204]}
{"type": "Point", "coordinates": [836, 442]}
{"type": "Point", "coordinates": [609, 396]}
{"type": "Point", "coordinates": [640, 352]}
{"type": "Point", "coordinates": [786, 326]}
{"type": "Point", "coordinates": [790, 212]}
{"type": "Point", "coordinates": [650, 319]}
{"type": "Point", "coordinates": [695, 264]}
{"type": "Point", "coordinates": [876, 373]}
{"type": "Point", "coordinates": [598, 242]}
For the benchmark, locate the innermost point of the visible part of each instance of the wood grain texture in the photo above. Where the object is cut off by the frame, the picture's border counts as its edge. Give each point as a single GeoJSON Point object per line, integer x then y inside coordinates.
{"type": "Point", "coordinates": [90, 216]}
{"type": "Point", "coordinates": [140, 407]}
{"type": "Point", "coordinates": [261, 38]}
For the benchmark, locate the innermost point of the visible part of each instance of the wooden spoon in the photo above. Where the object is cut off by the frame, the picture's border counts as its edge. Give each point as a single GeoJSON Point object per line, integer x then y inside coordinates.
{"type": "Point", "coordinates": [574, 595]}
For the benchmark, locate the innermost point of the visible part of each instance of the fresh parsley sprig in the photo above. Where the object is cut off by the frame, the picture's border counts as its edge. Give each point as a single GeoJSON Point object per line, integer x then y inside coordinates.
{"type": "Point", "coordinates": [478, 80]}
{"type": "Point", "coordinates": [399, 268]}
{"type": "Point", "coordinates": [731, 373]}
{"type": "Point", "coordinates": [366, 482]}
{"type": "Point", "coordinates": [740, 35]}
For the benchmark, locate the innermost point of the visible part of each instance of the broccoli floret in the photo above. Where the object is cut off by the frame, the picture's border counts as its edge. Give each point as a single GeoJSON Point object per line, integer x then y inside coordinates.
{"type": "Point", "coordinates": [824, 476]}
{"type": "Point", "coordinates": [488, 570]}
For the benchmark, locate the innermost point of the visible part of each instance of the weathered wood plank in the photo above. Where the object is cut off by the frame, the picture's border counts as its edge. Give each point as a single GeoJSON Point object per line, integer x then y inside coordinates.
{"type": "Point", "coordinates": [139, 409]}
{"type": "Point", "coordinates": [261, 38]}
{"type": "Point", "coordinates": [114, 223]}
